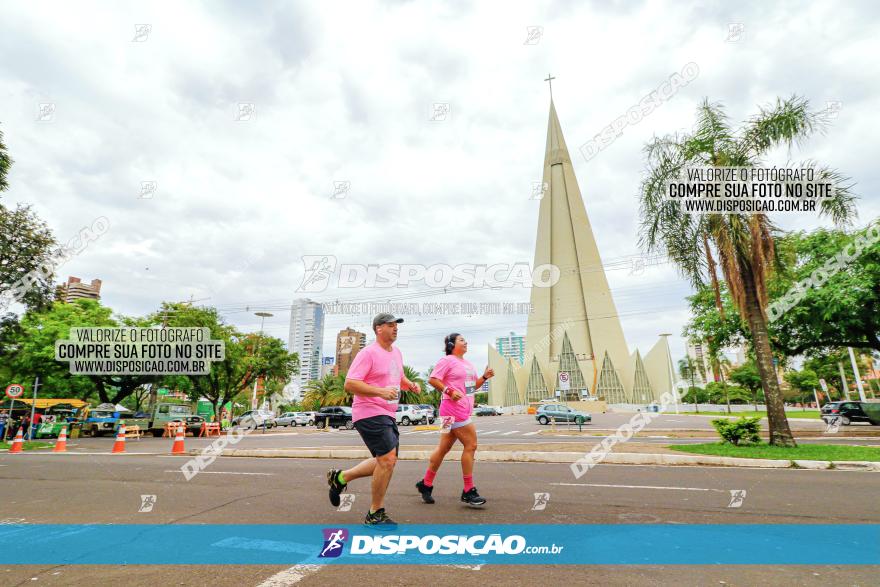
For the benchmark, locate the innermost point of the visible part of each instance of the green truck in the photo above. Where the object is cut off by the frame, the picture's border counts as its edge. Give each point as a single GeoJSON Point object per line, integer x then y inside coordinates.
{"type": "Point", "coordinates": [165, 413]}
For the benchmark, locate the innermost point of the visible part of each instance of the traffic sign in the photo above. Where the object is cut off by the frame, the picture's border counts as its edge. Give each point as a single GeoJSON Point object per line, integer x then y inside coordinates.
{"type": "Point", "coordinates": [14, 390]}
{"type": "Point", "coordinates": [564, 381]}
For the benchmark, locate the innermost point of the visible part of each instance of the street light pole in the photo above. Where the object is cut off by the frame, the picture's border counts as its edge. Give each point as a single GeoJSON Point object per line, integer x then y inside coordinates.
{"type": "Point", "coordinates": [263, 316]}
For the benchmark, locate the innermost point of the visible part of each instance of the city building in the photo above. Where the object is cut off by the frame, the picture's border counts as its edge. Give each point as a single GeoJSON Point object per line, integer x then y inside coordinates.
{"type": "Point", "coordinates": [306, 340]}
{"type": "Point", "coordinates": [75, 289]}
{"type": "Point", "coordinates": [328, 366]}
{"type": "Point", "coordinates": [574, 345]}
{"type": "Point", "coordinates": [704, 372]}
{"type": "Point", "coordinates": [512, 346]}
{"type": "Point", "coordinates": [348, 343]}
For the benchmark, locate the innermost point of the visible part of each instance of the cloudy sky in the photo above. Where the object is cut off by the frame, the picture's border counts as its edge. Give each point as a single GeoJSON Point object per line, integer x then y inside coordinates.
{"type": "Point", "coordinates": [99, 99]}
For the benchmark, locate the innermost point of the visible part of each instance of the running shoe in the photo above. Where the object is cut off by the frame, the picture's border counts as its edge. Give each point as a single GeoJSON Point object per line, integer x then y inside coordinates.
{"type": "Point", "coordinates": [336, 488]}
{"type": "Point", "coordinates": [472, 498]}
{"type": "Point", "coordinates": [425, 491]}
{"type": "Point", "coordinates": [380, 520]}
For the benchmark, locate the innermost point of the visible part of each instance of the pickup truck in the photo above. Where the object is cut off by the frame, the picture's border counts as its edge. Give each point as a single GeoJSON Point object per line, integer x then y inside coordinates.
{"type": "Point", "coordinates": [102, 420]}
{"type": "Point", "coordinates": [334, 417]}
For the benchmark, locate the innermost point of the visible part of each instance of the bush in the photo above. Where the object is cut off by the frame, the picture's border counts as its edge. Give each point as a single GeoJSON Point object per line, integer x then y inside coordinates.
{"type": "Point", "coordinates": [745, 430]}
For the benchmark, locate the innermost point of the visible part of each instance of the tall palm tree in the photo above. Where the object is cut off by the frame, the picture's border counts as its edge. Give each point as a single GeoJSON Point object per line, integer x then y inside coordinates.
{"type": "Point", "coordinates": [411, 397]}
{"type": "Point", "coordinates": [743, 244]}
{"type": "Point", "coordinates": [327, 391]}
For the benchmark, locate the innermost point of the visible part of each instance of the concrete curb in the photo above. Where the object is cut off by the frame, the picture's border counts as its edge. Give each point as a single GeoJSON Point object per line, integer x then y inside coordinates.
{"type": "Point", "coordinates": [622, 458]}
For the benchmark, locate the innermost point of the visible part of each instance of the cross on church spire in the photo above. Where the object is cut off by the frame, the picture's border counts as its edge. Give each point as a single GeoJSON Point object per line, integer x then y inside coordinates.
{"type": "Point", "coordinates": [549, 80]}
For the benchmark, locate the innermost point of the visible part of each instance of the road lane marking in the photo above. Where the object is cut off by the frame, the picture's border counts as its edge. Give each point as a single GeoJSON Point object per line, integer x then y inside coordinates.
{"type": "Point", "coordinates": [509, 433]}
{"type": "Point", "coordinates": [487, 433]}
{"type": "Point", "coordinates": [636, 486]}
{"type": "Point", "coordinates": [532, 433]}
{"type": "Point", "coordinates": [290, 576]}
{"type": "Point", "coordinates": [221, 472]}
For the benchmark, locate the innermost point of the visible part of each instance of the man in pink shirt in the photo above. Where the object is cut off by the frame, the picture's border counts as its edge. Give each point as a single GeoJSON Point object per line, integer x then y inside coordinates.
{"type": "Point", "coordinates": [375, 378]}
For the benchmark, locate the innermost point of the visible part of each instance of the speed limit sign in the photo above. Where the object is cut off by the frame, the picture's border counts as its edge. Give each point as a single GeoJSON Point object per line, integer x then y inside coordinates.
{"type": "Point", "coordinates": [14, 390]}
{"type": "Point", "coordinates": [564, 381]}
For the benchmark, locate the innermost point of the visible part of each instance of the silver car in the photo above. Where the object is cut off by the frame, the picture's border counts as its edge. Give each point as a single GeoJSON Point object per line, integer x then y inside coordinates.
{"type": "Point", "coordinates": [286, 419]}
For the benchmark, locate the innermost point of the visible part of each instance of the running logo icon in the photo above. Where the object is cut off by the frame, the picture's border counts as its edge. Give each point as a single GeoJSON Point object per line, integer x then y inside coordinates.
{"type": "Point", "coordinates": [318, 269]}
{"type": "Point", "coordinates": [334, 542]}
{"type": "Point", "coordinates": [541, 501]}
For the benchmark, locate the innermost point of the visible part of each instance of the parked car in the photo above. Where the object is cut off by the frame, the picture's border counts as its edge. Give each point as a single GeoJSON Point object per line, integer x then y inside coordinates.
{"type": "Point", "coordinates": [430, 411]}
{"type": "Point", "coordinates": [487, 411]}
{"type": "Point", "coordinates": [286, 419]}
{"type": "Point", "coordinates": [846, 412]}
{"type": "Point", "coordinates": [409, 414]}
{"type": "Point", "coordinates": [561, 413]}
{"type": "Point", "coordinates": [310, 418]}
{"type": "Point", "coordinates": [334, 417]}
{"type": "Point", "coordinates": [255, 419]}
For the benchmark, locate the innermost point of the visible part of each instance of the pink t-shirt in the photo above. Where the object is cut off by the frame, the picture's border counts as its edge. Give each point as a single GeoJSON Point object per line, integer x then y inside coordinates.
{"type": "Point", "coordinates": [375, 366]}
{"type": "Point", "coordinates": [457, 374]}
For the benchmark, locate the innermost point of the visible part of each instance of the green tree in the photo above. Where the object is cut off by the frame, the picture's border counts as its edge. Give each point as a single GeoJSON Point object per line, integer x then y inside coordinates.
{"type": "Point", "coordinates": [5, 164]}
{"type": "Point", "coordinates": [247, 356]}
{"type": "Point", "coordinates": [696, 396]}
{"type": "Point", "coordinates": [723, 392]}
{"type": "Point", "coordinates": [327, 391]}
{"type": "Point", "coordinates": [742, 243]}
{"type": "Point", "coordinates": [804, 382]}
{"type": "Point", "coordinates": [411, 397]}
{"type": "Point", "coordinates": [28, 252]}
{"type": "Point", "coordinates": [844, 311]}
{"type": "Point", "coordinates": [27, 249]}
{"type": "Point", "coordinates": [747, 377]}
{"type": "Point", "coordinates": [33, 352]}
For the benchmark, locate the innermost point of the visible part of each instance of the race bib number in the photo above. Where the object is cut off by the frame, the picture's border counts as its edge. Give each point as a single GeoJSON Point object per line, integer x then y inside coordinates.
{"type": "Point", "coordinates": [470, 387]}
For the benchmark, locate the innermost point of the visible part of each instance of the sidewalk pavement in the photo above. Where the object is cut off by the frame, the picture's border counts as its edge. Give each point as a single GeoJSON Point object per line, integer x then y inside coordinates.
{"type": "Point", "coordinates": [619, 456]}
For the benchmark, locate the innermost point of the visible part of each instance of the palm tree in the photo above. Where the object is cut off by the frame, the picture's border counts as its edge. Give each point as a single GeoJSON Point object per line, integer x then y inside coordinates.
{"type": "Point", "coordinates": [743, 244]}
{"type": "Point", "coordinates": [327, 391]}
{"type": "Point", "coordinates": [410, 397]}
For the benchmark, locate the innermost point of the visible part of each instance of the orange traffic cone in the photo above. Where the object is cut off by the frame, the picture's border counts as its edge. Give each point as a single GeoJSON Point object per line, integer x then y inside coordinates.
{"type": "Point", "coordinates": [17, 443]}
{"type": "Point", "coordinates": [119, 445]}
{"type": "Point", "coordinates": [61, 443]}
{"type": "Point", "coordinates": [177, 447]}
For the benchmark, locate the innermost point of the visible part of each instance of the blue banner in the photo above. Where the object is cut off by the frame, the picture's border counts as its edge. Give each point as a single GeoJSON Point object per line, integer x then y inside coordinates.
{"type": "Point", "coordinates": [520, 544]}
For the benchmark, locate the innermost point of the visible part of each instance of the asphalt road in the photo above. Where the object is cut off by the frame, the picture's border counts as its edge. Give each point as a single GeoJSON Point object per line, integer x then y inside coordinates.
{"type": "Point", "coordinates": [498, 430]}
{"type": "Point", "coordinates": [96, 488]}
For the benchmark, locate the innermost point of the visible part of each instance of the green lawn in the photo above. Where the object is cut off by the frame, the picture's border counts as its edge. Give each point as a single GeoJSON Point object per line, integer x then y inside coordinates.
{"type": "Point", "coordinates": [790, 413]}
{"type": "Point", "coordinates": [809, 452]}
{"type": "Point", "coordinates": [29, 444]}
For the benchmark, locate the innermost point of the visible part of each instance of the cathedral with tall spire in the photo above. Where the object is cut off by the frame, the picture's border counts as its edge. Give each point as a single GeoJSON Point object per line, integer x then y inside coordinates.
{"type": "Point", "coordinates": [575, 347]}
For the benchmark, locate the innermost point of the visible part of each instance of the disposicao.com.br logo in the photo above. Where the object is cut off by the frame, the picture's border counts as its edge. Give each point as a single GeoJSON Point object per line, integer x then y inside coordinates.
{"type": "Point", "coordinates": [320, 269]}
{"type": "Point", "coordinates": [451, 544]}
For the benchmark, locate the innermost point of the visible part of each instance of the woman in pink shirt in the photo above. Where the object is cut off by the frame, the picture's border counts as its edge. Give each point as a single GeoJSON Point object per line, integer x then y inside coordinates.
{"type": "Point", "coordinates": [456, 379]}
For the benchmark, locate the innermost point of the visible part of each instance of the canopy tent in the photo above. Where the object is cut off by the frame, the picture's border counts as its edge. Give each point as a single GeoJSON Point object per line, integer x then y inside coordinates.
{"type": "Point", "coordinates": [43, 403]}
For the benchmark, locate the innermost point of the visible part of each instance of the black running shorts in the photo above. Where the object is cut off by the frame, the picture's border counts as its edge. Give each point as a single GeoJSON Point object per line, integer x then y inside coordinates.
{"type": "Point", "coordinates": [380, 434]}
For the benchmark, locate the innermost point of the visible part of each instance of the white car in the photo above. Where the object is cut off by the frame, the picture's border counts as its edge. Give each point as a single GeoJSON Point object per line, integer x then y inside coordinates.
{"type": "Point", "coordinates": [303, 419]}
{"type": "Point", "coordinates": [408, 414]}
{"type": "Point", "coordinates": [255, 419]}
